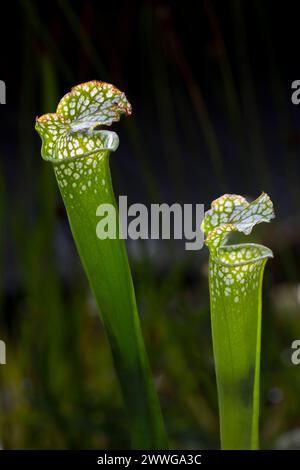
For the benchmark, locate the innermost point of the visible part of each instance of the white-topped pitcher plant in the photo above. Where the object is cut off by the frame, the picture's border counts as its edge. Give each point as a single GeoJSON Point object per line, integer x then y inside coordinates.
{"type": "Point", "coordinates": [79, 152]}
{"type": "Point", "coordinates": [235, 284]}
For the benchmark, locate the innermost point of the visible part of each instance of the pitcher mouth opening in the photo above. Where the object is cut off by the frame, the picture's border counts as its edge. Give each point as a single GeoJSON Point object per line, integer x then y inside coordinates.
{"type": "Point", "coordinates": [102, 141]}
{"type": "Point", "coordinates": [73, 130]}
{"type": "Point", "coordinates": [241, 255]}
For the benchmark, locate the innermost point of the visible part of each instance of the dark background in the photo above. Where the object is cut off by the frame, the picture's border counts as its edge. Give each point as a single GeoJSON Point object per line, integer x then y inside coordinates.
{"type": "Point", "coordinates": [210, 86]}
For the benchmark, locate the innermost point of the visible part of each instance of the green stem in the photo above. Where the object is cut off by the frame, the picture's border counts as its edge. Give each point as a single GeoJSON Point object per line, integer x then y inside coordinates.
{"type": "Point", "coordinates": [236, 330]}
{"type": "Point", "coordinates": [107, 268]}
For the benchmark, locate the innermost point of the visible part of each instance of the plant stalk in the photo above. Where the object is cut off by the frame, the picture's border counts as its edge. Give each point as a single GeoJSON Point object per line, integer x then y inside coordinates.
{"type": "Point", "coordinates": [236, 332]}
{"type": "Point", "coordinates": [106, 265]}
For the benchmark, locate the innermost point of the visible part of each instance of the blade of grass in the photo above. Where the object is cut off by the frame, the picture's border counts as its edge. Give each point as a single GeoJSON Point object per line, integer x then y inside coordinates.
{"type": "Point", "coordinates": [230, 91]}
{"type": "Point", "coordinates": [163, 99]}
{"type": "Point", "coordinates": [281, 100]}
{"type": "Point", "coordinates": [197, 99]}
{"type": "Point", "coordinates": [46, 37]}
{"type": "Point", "coordinates": [251, 110]}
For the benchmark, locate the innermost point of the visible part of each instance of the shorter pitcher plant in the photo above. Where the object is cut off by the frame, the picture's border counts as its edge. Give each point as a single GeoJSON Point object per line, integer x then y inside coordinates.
{"type": "Point", "coordinates": [235, 284]}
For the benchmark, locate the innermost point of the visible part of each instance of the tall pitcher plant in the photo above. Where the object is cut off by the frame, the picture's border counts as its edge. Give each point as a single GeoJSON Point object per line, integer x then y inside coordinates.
{"type": "Point", "coordinates": [235, 283]}
{"type": "Point", "coordinates": [79, 153]}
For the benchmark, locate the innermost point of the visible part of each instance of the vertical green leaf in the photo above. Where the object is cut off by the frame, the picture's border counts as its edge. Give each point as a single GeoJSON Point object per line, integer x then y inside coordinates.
{"type": "Point", "coordinates": [80, 155]}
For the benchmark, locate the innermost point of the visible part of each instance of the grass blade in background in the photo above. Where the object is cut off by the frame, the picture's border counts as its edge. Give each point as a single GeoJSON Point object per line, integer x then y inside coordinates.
{"type": "Point", "coordinates": [80, 155]}
{"type": "Point", "coordinates": [235, 281]}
